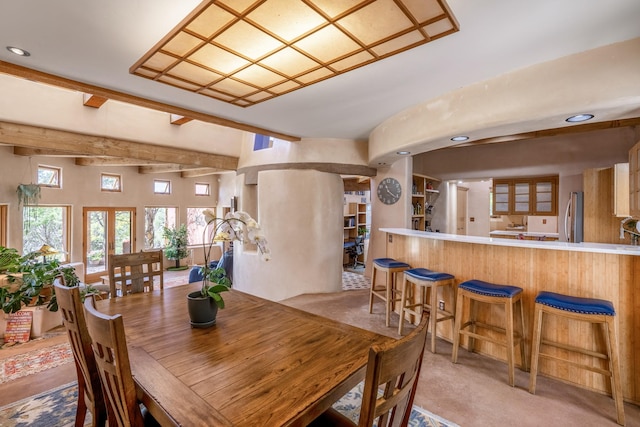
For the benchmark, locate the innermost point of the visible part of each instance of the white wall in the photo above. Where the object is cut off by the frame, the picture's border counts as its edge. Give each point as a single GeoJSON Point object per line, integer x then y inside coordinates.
{"type": "Point", "coordinates": [478, 208]}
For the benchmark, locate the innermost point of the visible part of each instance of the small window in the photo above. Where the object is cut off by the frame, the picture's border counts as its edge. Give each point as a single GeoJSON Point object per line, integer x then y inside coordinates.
{"type": "Point", "coordinates": [161, 186]}
{"type": "Point", "coordinates": [110, 182]}
{"type": "Point", "coordinates": [49, 176]}
{"type": "Point", "coordinates": [202, 189]}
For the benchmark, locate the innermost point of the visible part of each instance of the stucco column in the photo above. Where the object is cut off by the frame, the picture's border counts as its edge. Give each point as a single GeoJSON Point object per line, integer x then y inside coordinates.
{"type": "Point", "coordinates": [300, 212]}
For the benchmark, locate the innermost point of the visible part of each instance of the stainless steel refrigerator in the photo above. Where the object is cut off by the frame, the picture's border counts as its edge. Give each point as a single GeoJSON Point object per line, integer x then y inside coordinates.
{"type": "Point", "coordinates": [574, 217]}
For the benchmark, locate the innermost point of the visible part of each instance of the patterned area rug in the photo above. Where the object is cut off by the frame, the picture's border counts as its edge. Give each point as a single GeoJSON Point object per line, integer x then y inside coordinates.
{"type": "Point", "coordinates": [57, 407]}
{"type": "Point", "coordinates": [351, 281]}
{"type": "Point", "coordinates": [35, 361]}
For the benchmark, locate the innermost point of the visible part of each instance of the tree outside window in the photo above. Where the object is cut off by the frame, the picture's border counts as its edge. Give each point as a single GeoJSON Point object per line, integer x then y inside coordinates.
{"type": "Point", "coordinates": [196, 225]}
{"type": "Point", "coordinates": [46, 225]}
{"type": "Point", "coordinates": [155, 219]}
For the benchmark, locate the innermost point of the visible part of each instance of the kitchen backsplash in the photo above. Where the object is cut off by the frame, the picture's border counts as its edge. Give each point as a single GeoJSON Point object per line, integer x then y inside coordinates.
{"type": "Point", "coordinates": [542, 224]}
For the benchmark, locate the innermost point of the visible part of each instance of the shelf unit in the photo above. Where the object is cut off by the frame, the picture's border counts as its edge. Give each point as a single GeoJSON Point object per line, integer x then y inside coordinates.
{"type": "Point", "coordinates": [424, 193]}
{"type": "Point", "coordinates": [350, 226]}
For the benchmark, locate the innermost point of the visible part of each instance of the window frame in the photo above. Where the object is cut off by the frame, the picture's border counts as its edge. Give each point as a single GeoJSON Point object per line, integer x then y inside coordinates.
{"type": "Point", "coordinates": [65, 250]}
{"type": "Point", "coordinates": [112, 175]}
{"type": "Point", "coordinates": [162, 181]}
{"type": "Point", "coordinates": [57, 173]}
{"type": "Point", "coordinates": [206, 184]}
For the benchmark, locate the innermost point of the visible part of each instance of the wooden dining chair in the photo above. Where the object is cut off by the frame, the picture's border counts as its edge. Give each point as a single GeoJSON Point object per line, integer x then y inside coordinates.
{"type": "Point", "coordinates": [89, 389]}
{"type": "Point", "coordinates": [136, 272]}
{"type": "Point", "coordinates": [390, 383]}
{"type": "Point", "coordinates": [112, 359]}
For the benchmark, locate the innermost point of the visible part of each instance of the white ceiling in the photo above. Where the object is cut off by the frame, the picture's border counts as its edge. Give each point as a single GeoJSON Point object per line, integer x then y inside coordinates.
{"type": "Point", "coordinates": [96, 42]}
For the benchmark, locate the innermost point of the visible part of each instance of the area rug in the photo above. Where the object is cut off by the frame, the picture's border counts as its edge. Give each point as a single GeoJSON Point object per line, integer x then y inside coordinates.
{"type": "Point", "coordinates": [32, 362]}
{"type": "Point", "coordinates": [57, 407]}
{"type": "Point", "coordinates": [352, 281]}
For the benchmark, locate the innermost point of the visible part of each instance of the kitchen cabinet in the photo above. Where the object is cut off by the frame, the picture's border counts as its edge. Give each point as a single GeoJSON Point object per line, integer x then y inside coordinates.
{"type": "Point", "coordinates": [526, 196]}
{"type": "Point", "coordinates": [634, 184]}
{"type": "Point", "coordinates": [621, 190]}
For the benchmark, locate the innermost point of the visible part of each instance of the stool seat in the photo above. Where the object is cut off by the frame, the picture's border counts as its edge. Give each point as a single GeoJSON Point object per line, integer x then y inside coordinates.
{"type": "Point", "coordinates": [510, 297]}
{"type": "Point", "coordinates": [387, 292]}
{"type": "Point", "coordinates": [490, 289]}
{"type": "Point", "coordinates": [390, 263]}
{"type": "Point", "coordinates": [428, 281]}
{"type": "Point", "coordinates": [426, 274]}
{"type": "Point", "coordinates": [576, 304]}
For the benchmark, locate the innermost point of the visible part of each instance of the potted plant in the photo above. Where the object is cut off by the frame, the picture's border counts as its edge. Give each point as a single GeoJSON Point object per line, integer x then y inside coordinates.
{"type": "Point", "coordinates": [176, 248]}
{"type": "Point", "coordinates": [33, 282]}
{"type": "Point", "coordinates": [238, 226]}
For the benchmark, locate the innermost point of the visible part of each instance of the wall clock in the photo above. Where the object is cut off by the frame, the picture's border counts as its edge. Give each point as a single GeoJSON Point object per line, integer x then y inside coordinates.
{"type": "Point", "coordinates": [389, 191]}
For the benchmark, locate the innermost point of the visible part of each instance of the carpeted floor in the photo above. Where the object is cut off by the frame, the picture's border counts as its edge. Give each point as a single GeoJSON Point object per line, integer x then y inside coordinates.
{"type": "Point", "coordinates": [57, 408]}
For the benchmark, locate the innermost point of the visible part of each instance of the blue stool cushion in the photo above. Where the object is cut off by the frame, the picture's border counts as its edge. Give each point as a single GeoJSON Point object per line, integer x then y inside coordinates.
{"type": "Point", "coordinates": [426, 274]}
{"type": "Point", "coordinates": [195, 275]}
{"type": "Point", "coordinates": [489, 289]}
{"type": "Point", "coordinates": [390, 263]}
{"type": "Point", "coordinates": [576, 304]}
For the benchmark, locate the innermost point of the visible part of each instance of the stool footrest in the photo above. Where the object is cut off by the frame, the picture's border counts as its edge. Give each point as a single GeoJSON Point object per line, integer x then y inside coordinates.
{"type": "Point", "coordinates": [575, 349]}
{"type": "Point", "coordinates": [595, 369]}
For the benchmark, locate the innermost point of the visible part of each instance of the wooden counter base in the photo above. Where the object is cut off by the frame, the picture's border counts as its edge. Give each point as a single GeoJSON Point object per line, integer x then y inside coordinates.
{"type": "Point", "coordinates": [614, 277]}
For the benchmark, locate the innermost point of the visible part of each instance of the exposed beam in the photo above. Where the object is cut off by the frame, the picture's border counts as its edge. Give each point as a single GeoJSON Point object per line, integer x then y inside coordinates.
{"type": "Point", "coordinates": [166, 168]}
{"type": "Point", "coordinates": [356, 184]}
{"type": "Point", "coordinates": [39, 76]}
{"type": "Point", "coordinates": [26, 151]}
{"type": "Point", "coordinates": [93, 101]}
{"type": "Point", "coordinates": [175, 119]}
{"type": "Point", "coordinates": [194, 173]}
{"type": "Point", "coordinates": [38, 137]}
{"type": "Point", "coordinates": [112, 161]}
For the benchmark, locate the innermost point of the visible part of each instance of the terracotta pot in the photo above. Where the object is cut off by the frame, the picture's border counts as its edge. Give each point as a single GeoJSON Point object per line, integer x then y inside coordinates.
{"type": "Point", "coordinates": [202, 310]}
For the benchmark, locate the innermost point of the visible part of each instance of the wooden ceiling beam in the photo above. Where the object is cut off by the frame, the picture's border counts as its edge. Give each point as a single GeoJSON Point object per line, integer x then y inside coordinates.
{"type": "Point", "coordinates": [81, 144]}
{"type": "Point", "coordinates": [112, 161]}
{"type": "Point", "coordinates": [93, 101]}
{"type": "Point", "coordinates": [30, 152]}
{"type": "Point", "coordinates": [39, 76]}
{"type": "Point", "coordinates": [175, 119]}
{"type": "Point", "coordinates": [167, 168]}
{"type": "Point", "coordinates": [195, 173]}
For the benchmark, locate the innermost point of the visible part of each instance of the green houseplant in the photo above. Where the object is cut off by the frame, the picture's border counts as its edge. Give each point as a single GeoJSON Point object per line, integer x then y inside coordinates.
{"type": "Point", "coordinates": [33, 276]}
{"type": "Point", "coordinates": [177, 242]}
{"type": "Point", "coordinates": [238, 226]}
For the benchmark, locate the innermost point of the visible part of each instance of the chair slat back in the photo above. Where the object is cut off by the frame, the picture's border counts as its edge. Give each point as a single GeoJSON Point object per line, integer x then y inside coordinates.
{"type": "Point", "coordinates": [112, 358]}
{"type": "Point", "coordinates": [89, 388]}
{"type": "Point", "coordinates": [395, 369]}
{"type": "Point", "coordinates": [135, 272]}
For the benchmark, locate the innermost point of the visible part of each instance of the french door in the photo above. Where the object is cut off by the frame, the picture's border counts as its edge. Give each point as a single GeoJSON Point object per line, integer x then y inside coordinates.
{"type": "Point", "coordinates": [106, 231]}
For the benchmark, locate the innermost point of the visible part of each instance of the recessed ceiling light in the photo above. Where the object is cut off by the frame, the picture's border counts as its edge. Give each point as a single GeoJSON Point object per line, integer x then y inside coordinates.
{"type": "Point", "coordinates": [579, 118]}
{"type": "Point", "coordinates": [403, 153]}
{"type": "Point", "coordinates": [18, 51]}
{"type": "Point", "coordinates": [460, 138]}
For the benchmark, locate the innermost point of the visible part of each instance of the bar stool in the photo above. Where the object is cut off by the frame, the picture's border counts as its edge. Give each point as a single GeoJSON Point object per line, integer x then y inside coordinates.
{"type": "Point", "coordinates": [594, 311]}
{"type": "Point", "coordinates": [478, 291]}
{"type": "Point", "coordinates": [388, 291]}
{"type": "Point", "coordinates": [428, 280]}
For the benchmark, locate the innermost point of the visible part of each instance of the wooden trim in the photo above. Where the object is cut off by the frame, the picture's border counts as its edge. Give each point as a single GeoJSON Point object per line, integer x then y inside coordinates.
{"type": "Point", "coordinates": [39, 76]}
{"type": "Point", "coordinates": [44, 138]}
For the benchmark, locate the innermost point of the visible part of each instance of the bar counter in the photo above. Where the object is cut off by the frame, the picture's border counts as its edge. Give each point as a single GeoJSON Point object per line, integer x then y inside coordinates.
{"type": "Point", "coordinates": [591, 270]}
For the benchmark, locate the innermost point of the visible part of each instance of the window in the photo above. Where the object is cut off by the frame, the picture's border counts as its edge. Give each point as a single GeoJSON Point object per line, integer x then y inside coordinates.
{"type": "Point", "coordinates": [49, 176]}
{"type": "Point", "coordinates": [202, 189]}
{"type": "Point", "coordinates": [155, 219]}
{"type": "Point", "coordinates": [261, 142]}
{"type": "Point", "coordinates": [161, 186]}
{"type": "Point", "coordinates": [48, 225]}
{"type": "Point", "coordinates": [110, 182]}
{"type": "Point", "coordinates": [196, 225]}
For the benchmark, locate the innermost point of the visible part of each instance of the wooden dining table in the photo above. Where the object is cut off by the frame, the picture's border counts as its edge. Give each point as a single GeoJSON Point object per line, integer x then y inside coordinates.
{"type": "Point", "coordinates": [262, 364]}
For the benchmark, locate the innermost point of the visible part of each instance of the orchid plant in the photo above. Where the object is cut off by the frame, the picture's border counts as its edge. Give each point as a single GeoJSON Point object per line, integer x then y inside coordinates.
{"type": "Point", "coordinates": [235, 226]}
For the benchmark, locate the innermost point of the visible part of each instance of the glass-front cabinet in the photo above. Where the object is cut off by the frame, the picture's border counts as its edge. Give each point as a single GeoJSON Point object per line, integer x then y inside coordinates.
{"type": "Point", "coordinates": [526, 196]}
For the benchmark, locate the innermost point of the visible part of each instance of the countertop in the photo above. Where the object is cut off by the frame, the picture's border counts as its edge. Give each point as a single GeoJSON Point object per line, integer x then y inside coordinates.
{"type": "Point", "coordinates": [524, 233]}
{"type": "Point", "coordinates": [550, 245]}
